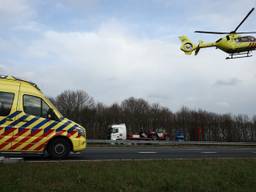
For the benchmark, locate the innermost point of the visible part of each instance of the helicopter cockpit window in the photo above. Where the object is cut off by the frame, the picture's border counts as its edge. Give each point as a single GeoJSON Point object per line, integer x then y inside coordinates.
{"type": "Point", "coordinates": [246, 39]}
{"type": "Point", "coordinates": [252, 38]}
{"type": "Point", "coordinates": [243, 39]}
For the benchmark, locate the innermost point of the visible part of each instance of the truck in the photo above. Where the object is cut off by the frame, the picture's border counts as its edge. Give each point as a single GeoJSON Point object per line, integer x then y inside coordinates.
{"type": "Point", "coordinates": [119, 132]}
{"type": "Point", "coordinates": [30, 123]}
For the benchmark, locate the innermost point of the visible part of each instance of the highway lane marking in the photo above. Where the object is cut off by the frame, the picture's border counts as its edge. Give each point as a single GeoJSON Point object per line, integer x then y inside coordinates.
{"type": "Point", "coordinates": [147, 152]}
{"type": "Point", "coordinates": [209, 152]}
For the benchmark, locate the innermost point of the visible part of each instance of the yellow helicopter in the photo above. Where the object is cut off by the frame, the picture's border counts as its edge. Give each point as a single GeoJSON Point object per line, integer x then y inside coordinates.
{"type": "Point", "coordinates": [235, 45]}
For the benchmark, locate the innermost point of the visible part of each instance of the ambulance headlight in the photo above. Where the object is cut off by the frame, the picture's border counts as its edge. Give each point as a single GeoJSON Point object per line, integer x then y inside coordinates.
{"type": "Point", "coordinates": [81, 131]}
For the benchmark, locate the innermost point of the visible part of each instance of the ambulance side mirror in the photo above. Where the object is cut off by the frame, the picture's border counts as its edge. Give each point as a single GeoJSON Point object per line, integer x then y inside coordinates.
{"type": "Point", "coordinates": [51, 115]}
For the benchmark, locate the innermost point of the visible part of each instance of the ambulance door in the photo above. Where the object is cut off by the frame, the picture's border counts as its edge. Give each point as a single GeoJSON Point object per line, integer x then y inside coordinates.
{"type": "Point", "coordinates": [39, 125]}
{"type": "Point", "coordinates": [8, 115]}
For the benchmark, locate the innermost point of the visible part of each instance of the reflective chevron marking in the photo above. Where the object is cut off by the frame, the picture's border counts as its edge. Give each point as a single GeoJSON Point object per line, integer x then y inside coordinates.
{"type": "Point", "coordinates": [1, 130]}
{"type": "Point", "coordinates": [12, 138]}
{"type": "Point", "coordinates": [37, 140]}
{"type": "Point", "coordinates": [29, 133]}
{"type": "Point", "coordinates": [72, 128]}
{"type": "Point", "coordinates": [252, 45]}
{"type": "Point", "coordinates": [28, 123]}
{"type": "Point", "coordinates": [14, 123]}
{"type": "Point", "coordinates": [10, 117]}
{"type": "Point", "coordinates": [25, 139]}
{"type": "Point", "coordinates": [71, 134]}
{"type": "Point", "coordinates": [7, 133]}
{"type": "Point", "coordinates": [39, 125]}
{"type": "Point", "coordinates": [63, 126]}
{"type": "Point", "coordinates": [50, 126]}
{"type": "Point", "coordinates": [42, 146]}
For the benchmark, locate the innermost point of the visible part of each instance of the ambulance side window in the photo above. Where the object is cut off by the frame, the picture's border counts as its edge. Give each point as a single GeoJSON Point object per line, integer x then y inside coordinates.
{"type": "Point", "coordinates": [36, 106]}
{"type": "Point", "coordinates": [32, 105]}
{"type": "Point", "coordinates": [6, 100]}
{"type": "Point", "coordinates": [45, 109]}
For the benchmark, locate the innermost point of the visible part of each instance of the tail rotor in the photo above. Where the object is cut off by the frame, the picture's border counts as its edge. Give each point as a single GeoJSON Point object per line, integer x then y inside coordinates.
{"type": "Point", "coordinates": [186, 45]}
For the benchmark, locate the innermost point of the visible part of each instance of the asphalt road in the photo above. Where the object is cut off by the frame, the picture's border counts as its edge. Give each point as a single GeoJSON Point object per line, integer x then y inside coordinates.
{"type": "Point", "coordinates": [106, 153]}
{"type": "Point", "coordinates": [149, 152]}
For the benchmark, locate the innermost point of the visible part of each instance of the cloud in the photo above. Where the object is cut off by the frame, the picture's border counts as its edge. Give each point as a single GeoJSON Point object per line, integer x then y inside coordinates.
{"type": "Point", "coordinates": [15, 11]}
{"type": "Point", "coordinates": [165, 3]}
{"type": "Point", "coordinates": [112, 62]}
{"type": "Point", "coordinates": [95, 57]}
{"type": "Point", "coordinates": [2, 69]}
{"type": "Point", "coordinates": [223, 104]}
{"type": "Point", "coordinates": [216, 17]}
{"type": "Point", "coordinates": [29, 26]}
{"type": "Point", "coordinates": [78, 6]}
{"type": "Point", "coordinates": [228, 82]}
{"type": "Point", "coordinates": [158, 96]}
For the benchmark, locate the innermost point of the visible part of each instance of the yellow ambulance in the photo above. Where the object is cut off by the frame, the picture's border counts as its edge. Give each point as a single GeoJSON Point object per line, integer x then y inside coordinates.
{"type": "Point", "coordinates": [29, 122]}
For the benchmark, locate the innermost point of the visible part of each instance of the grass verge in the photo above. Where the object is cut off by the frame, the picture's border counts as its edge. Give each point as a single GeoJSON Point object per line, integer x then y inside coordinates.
{"type": "Point", "coordinates": [122, 176]}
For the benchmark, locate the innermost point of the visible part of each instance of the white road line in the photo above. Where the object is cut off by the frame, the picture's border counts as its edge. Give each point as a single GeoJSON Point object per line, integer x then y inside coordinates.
{"type": "Point", "coordinates": [147, 152]}
{"type": "Point", "coordinates": [254, 152]}
{"type": "Point", "coordinates": [193, 149]}
{"type": "Point", "coordinates": [208, 152]}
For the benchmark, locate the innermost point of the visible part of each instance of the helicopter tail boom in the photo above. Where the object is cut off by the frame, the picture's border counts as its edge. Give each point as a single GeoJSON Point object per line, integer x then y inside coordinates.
{"type": "Point", "coordinates": [188, 47]}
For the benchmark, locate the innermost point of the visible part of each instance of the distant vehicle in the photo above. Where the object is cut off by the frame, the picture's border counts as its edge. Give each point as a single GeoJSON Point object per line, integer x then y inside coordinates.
{"type": "Point", "coordinates": [119, 132]}
{"type": "Point", "coordinates": [180, 135]}
{"type": "Point", "coordinates": [29, 122]}
{"type": "Point", "coordinates": [235, 45]}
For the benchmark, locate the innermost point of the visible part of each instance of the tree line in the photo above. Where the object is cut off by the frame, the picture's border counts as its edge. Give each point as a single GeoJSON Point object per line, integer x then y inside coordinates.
{"type": "Point", "coordinates": [139, 114]}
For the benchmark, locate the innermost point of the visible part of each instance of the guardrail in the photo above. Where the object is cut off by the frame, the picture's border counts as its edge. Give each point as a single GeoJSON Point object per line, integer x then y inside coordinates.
{"type": "Point", "coordinates": [173, 143]}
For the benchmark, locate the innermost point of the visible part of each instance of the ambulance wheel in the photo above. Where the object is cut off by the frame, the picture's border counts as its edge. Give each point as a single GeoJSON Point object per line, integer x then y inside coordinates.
{"type": "Point", "coordinates": [58, 148]}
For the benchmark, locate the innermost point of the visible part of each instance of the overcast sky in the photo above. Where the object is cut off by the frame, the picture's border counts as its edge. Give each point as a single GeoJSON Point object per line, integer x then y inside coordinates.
{"type": "Point", "coordinates": [115, 49]}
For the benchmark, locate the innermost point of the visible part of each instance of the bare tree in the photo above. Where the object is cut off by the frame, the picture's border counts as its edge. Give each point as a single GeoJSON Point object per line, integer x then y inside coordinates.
{"type": "Point", "coordinates": [71, 103]}
{"type": "Point", "coordinates": [138, 114]}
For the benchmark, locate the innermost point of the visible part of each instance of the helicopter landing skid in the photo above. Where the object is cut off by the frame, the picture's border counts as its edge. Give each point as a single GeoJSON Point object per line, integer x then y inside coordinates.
{"type": "Point", "coordinates": [239, 55]}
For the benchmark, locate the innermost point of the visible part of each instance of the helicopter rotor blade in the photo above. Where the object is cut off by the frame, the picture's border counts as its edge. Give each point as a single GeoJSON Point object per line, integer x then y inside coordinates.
{"type": "Point", "coordinates": [243, 20]}
{"type": "Point", "coordinates": [212, 32]}
{"type": "Point", "coordinates": [246, 32]}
